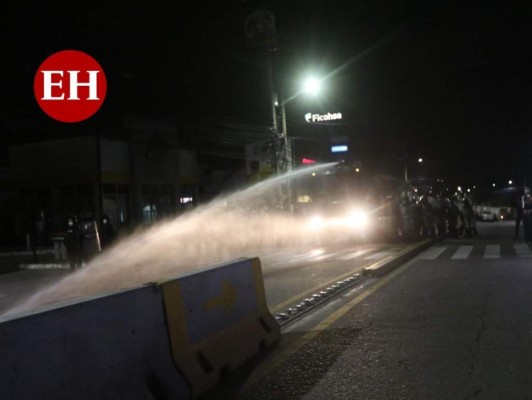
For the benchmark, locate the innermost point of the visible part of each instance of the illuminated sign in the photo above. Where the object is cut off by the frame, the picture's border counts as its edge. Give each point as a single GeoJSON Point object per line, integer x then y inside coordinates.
{"type": "Point", "coordinates": [308, 161]}
{"type": "Point", "coordinates": [340, 148]}
{"type": "Point", "coordinates": [309, 117]}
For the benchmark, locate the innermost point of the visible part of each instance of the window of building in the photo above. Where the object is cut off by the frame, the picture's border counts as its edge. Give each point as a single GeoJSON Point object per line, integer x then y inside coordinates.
{"type": "Point", "coordinates": [158, 202]}
{"type": "Point", "coordinates": [116, 203]}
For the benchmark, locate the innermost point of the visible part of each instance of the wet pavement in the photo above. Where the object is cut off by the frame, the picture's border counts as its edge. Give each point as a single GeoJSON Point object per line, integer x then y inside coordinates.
{"type": "Point", "coordinates": [452, 323]}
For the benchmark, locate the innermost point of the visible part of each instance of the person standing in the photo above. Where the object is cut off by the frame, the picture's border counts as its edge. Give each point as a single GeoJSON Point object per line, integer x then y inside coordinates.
{"type": "Point", "coordinates": [406, 218]}
{"type": "Point", "coordinates": [90, 238]}
{"type": "Point", "coordinates": [73, 242]}
{"type": "Point", "coordinates": [453, 219]}
{"type": "Point", "coordinates": [40, 226]}
{"type": "Point", "coordinates": [441, 218]}
{"type": "Point", "coordinates": [107, 232]}
{"type": "Point", "coordinates": [527, 217]}
{"type": "Point", "coordinates": [429, 217]}
{"type": "Point", "coordinates": [519, 212]}
{"type": "Point", "coordinates": [469, 219]}
{"type": "Point", "coordinates": [417, 219]}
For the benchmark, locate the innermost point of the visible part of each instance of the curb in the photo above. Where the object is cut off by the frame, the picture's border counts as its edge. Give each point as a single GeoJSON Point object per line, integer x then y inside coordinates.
{"type": "Point", "coordinates": [18, 253]}
{"type": "Point", "coordinates": [377, 269]}
{"type": "Point", "coordinates": [383, 267]}
{"type": "Point", "coordinates": [44, 266]}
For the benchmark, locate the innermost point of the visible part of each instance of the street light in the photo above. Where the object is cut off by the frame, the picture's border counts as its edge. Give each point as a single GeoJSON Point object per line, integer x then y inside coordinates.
{"type": "Point", "coordinates": [312, 86]}
{"type": "Point", "coordinates": [284, 148]}
{"type": "Point", "coordinates": [419, 160]}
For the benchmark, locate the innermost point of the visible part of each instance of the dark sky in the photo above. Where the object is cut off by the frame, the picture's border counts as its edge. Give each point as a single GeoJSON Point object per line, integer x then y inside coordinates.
{"type": "Point", "coordinates": [449, 79]}
{"type": "Point", "coordinates": [446, 81]}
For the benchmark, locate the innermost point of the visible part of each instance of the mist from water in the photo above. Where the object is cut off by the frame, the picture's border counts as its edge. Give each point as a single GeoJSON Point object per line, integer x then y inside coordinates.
{"type": "Point", "coordinates": [233, 226]}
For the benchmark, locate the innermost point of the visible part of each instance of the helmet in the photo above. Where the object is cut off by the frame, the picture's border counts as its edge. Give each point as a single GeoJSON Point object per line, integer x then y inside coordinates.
{"type": "Point", "coordinates": [72, 220]}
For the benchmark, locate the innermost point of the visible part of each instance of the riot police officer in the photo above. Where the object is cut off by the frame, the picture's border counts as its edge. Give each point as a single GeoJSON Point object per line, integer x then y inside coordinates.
{"type": "Point", "coordinates": [73, 242]}
{"type": "Point", "coordinates": [527, 216]}
{"type": "Point", "coordinates": [90, 238]}
{"type": "Point", "coordinates": [107, 232]}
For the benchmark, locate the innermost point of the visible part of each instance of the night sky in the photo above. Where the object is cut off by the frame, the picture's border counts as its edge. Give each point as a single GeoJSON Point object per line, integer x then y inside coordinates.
{"type": "Point", "coordinates": [446, 81]}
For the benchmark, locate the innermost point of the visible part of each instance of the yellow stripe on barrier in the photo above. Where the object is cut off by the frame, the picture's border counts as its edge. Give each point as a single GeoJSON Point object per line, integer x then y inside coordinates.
{"type": "Point", "coordinates": [173, 305]}
{"type": "Point", "coordinates": [217, 320]}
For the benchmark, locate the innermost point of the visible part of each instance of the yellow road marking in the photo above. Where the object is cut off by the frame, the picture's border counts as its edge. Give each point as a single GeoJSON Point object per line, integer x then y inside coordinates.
{"type": "Point", "coordinates": [299, 343]}
{"type": "Point", "coordinates": [345, 308]}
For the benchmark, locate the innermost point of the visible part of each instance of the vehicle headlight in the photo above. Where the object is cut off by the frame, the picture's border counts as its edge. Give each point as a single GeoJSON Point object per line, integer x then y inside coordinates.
{"type": "Point", "coordinates": [315, 222]}
{"type": "Point", "coordinates": [358, 219]}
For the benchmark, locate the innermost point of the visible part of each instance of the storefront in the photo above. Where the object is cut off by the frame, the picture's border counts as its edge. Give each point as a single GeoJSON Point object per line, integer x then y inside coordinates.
{"type": "Point", "coordinates": [139, 180]}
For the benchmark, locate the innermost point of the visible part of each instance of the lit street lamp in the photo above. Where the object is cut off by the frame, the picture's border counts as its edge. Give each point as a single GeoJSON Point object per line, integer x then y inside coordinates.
{"type": "Point", "coordinates": [312, 86]}
{"type": "Point", "coordinates": [285, 151]}
{"type": "Point", "coordinates": [419, 160]}
{"type": "Point", "coordinates": [284, 156]}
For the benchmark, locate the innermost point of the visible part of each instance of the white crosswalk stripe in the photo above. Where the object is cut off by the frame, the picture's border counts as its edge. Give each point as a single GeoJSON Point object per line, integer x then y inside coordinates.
{"type": "Point", "coordinates": [432, 253]}
{"type": "Point", "coordinates": [489, 251]}
{"type": "Point", "coordinates": [462, 253]}
{"type": "Point", "coordinates": [323, 257]}
{"type": "Point", "coordinates": [522, 250]}
{"type": "Point", "coordinates": [454, 252]}
{"type": "Point", "coordinates": [379, 255]}
{"type": "Point", "coordinates": [354, 254]}
{"type": "Point", "coordinates": [492, 251]}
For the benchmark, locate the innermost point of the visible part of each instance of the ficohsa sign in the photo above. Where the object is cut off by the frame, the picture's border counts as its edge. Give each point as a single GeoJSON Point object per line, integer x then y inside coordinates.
{"type": "Point", "coordinates": [309, 117]}
{"type": "Point", "coordinates": [70, 86]}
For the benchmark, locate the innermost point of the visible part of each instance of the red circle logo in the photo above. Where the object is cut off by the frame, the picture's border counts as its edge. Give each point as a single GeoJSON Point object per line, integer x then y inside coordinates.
{"type": "Point", "coordinates": [70, 86]}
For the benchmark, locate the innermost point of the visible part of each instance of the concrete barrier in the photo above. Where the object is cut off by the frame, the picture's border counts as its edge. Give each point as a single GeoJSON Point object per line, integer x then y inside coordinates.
{"type": "Point", "coordinates": [218, 319]}
{"type": "Point", "coordinates": [110, 347]}
{"type": "Point", "coordinates": [168, 340]}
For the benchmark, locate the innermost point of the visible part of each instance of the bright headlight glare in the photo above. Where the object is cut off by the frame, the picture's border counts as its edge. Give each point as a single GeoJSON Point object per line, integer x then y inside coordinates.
{"type": "Point", "coordinates": [358, 218]}
{"type": "Point", "coordinates": [316, 222]}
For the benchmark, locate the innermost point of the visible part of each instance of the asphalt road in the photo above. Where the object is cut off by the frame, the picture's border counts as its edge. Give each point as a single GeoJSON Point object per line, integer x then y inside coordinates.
{"type": "Point", "coordinates": [291, 274]}
{"type": "Point", "coordinates": [453, 323]}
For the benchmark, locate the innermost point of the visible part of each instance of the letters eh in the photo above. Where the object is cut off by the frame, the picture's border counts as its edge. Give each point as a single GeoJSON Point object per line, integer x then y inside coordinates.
{"type": "Point", "coordinates": [53, 78]}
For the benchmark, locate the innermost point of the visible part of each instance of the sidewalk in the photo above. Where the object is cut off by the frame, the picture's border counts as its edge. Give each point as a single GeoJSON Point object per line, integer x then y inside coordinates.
{"type": "Point", "coordinates": [16, 259]}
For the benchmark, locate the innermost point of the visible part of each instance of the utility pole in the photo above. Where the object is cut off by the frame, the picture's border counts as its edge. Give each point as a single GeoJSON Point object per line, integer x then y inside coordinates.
{"type": "Point", "coordinates": [277, 119]}
{"type": "Point", "coordinates": [285, 154]}
{"type": "Point", "coordinates": [260, 33]}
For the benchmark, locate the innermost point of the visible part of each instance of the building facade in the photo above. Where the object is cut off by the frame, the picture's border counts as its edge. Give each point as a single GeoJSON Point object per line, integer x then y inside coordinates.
{"type": "Point", "coordinates": [137, 178]}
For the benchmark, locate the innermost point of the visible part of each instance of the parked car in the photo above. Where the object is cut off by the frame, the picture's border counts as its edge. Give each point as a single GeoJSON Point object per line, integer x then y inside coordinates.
{"type": "Point", "coordinates": [487, 216]}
